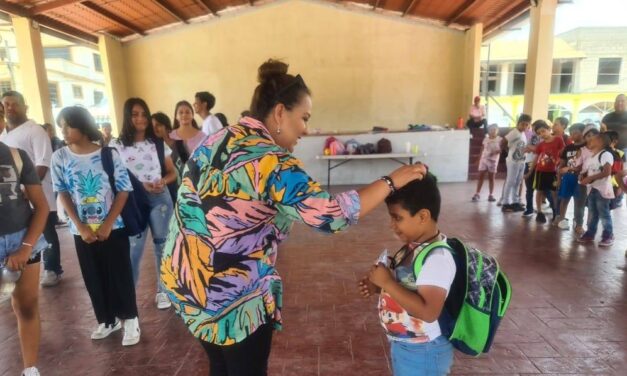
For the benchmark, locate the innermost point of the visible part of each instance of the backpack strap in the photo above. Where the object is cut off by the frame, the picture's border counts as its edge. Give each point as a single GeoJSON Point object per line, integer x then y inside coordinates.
{"type": "Point", "coordinates": [160, 145]}
{"type": "Point", "coordinates": [17, 159]}
{"type": "Point", "coordinates": [420, 259]}
{"type": "Point", "coordinates": [106, 156]}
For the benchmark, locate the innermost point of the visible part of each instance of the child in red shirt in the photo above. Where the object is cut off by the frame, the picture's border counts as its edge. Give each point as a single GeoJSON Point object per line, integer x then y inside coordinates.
{"type": "Point", "coordinates": [545, 166]}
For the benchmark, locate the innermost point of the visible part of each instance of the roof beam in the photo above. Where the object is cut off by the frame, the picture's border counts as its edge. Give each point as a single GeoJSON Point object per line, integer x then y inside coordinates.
{"type": "Point", "coordinates": [505, 17]}
{"type": "Point", "coordinates": [119, 20]}
{"type": "Point", "coordinates": [208, 7]}
{"type": "Point", "coordinates": [461, 11]}
{"type": "Point", "coordinates": [38, 9]}
{"type": "Point", "coordinates": [47, 22]}
{"type": "Point", "coordinates": [410, 7]}
{"type": "Point", "coordinates": [14, 9]}
{"type": "Point", "coordinates": [170, 10]}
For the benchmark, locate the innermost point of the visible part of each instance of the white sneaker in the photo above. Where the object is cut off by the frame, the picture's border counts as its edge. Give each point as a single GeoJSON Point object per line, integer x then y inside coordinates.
{"type": "Point", "coordinates": [30, 371]}
{"type": "Point", "coordinates": [50, 278]}
{"type": "Point", "coordinates": [103, 331]}
{"type": "Point", "coordinates": [131, 332]}
{"type": "Point", "coordinates": [563, 224]}
{"type": "Point", "coordinates": [162, 300]}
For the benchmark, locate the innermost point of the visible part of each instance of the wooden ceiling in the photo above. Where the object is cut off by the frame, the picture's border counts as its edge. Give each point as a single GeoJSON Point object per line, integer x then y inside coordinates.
{"type": "Point", "coordinates": [128, 18]}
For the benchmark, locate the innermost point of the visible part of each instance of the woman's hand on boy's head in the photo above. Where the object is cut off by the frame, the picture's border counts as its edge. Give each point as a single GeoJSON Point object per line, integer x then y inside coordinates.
{"type": "Point", "coordinates": [380, 276]}
{"type": "Point", "coordinates": [405, 174]}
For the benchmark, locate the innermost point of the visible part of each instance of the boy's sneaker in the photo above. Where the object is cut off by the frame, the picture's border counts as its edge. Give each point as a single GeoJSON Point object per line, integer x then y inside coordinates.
{"type": "Point", "coordinates": [507, 208]}
{"type": "Point", "coordinates": [50, 278]}
{"type": "Point", "coordinates": [31, 371]}
{"type": "Point", "coordinates": [103, 331]}
{"type": "Point", "coordinates": [162, 301]}
{"type": "Point", "coordinates": [606, 241]}
{"type": "Point", "coordinates": [586, 238]}
{"type": "Point", "coordinates": [491, 198]}
{"type": "Point", "coordinates": [541, 218]}
{"type": "Point", "coordinates": [476, 197]}
{"type": "Point", "coordinates": [132, 333]}
{"type": "Point", "coordinates": [528, 213]}
{"type": "Point", "coordinates": [563, 224]}
{"type": "Point", "coordinates": [518, 207]}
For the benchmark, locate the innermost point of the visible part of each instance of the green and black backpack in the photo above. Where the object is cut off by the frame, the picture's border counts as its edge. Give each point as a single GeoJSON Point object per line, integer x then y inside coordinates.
{"type": "Point", "coordinates": [478, 298]}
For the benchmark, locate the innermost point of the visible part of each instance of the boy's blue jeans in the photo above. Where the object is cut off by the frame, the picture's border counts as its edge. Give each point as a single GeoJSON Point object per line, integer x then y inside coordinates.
{"type": "Point", "coordinates": [433, 358]}
{"type": "Point", "coordinates": [599, 208]}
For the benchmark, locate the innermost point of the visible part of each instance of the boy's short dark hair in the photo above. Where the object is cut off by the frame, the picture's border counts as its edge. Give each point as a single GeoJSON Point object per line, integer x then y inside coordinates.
{"type": "Point", "coordinates": [562, 120]}
{"type": "Point", "coordinates": [418, 195]}
{"type": "Point", "coordinates": [539, 124]}
{"type": "Point", "coordinates": [612, 135]}
{"type": "Point", "coordinates": [524, 118]}
{"type": "Point", "coordinates": [577, 127]}
{"type": "Point", "coordinates": [207, 97]}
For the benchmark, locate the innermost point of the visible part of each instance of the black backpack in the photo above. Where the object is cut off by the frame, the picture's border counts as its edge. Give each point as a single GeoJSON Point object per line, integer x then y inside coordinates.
{"type": "Point", "coordinates": [137, 209]}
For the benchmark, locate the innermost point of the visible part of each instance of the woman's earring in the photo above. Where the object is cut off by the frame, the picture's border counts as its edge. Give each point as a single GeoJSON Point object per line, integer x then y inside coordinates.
{"type": "Point", "coordinates": [278, 130]}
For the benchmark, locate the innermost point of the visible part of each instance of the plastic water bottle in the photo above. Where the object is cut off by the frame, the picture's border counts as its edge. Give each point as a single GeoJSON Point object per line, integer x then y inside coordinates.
{"type": "Point", "coordinates": [8, 279]}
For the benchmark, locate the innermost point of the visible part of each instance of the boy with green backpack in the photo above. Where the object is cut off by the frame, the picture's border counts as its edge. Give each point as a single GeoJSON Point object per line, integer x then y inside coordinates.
{"type": "Point", "coordinates": [436, 294]}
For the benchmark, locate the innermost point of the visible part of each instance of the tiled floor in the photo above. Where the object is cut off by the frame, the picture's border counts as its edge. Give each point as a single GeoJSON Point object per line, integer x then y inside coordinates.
{"type": "Point", "coordinates": [568, 315]}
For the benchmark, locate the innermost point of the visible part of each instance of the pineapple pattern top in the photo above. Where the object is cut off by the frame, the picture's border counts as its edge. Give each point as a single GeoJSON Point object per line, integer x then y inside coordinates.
{"type": "Point", "coordinates": [84, 178]}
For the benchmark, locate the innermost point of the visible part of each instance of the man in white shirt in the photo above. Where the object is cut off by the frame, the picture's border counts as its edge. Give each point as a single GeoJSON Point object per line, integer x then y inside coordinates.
{"type": "Point", "coordinates": [27, 135]}
{"type": "Point", "coordinates": [203, 104]}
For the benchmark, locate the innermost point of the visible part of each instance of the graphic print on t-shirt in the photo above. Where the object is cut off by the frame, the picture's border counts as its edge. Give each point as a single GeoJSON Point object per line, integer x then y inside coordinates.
{"type": "Point", "coordinates": [8, 184]}
{"type": "Point", "coordinates": [92, 210]}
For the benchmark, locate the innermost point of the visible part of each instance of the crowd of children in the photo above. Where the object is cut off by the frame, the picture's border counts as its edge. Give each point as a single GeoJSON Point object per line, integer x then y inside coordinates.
{"type": "Point", "coordinates": [584, 165]}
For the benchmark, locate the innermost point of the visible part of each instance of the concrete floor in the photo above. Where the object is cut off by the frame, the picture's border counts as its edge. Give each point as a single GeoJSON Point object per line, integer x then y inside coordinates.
{"type": "Point", "coordinates": [568, 314]}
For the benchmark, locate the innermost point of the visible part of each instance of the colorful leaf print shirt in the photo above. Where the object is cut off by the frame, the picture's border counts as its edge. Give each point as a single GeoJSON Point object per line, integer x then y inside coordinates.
{"type": "Point", "coordinates": [239, 196]}
{"type": "Point", "coordinates": [84, 178]}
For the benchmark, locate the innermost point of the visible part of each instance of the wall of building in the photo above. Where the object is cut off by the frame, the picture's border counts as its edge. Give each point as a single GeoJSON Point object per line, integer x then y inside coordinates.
{"type": "Point", "coordinates": [364, 69]}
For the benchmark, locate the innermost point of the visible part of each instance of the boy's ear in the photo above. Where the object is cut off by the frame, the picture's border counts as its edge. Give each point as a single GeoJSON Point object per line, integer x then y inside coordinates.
{"type": "Point", "coordinates": [425, 215]}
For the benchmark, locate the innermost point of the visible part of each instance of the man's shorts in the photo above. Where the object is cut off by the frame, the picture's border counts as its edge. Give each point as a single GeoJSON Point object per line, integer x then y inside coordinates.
{"type": "Point", "coordinates": [568, 186]}
{"type": "Point", "coordinates": [11, 243]}
{"type": "Point", "coordinates": [545, 181]}
{"type": "Point", "coordinates": [487, 165]}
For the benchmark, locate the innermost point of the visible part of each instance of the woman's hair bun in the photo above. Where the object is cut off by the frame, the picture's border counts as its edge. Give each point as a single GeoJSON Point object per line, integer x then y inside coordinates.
{"type": "Point", "coordinates": [270, 70]}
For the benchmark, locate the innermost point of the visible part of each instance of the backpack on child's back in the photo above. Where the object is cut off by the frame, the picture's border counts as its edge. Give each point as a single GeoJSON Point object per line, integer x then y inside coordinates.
{"type": "Point", "coordinates": [134, 214]}
{"type": "Point", "coordinates": [478, 298]}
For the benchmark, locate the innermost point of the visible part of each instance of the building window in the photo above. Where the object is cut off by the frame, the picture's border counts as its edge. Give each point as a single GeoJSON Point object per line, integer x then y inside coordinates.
{"type": "Point", "coordinates": [53, 89]}
{"type": "Point", "coordinates": [5, 86]}
{"type": "Point", "coordinates": [97, 63]}
{"type": "Point", "coordinates": [57, 53]}
{"type": "Point", "coordinates": [98, 96]}
{"type": "Point", "coordinates": [609, 71]}
{"type": "Point", "coordinates": [566, 77]}
{"type": "Point", "coordinates": [520, 70]}
{"type": "Point", "coordinates": [78, 91]}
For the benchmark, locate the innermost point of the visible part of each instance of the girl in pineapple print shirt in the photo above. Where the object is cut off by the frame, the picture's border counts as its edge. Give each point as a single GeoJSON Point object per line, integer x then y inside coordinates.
{"type": "Point", "coordinates": [148, 158]}
{"type": "Point", "coordinates": [101, 242]}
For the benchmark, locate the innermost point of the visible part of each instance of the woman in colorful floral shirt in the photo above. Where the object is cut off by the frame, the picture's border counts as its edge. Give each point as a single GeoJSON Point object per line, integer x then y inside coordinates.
{"type": "Point", "coordinates": [241, 191]}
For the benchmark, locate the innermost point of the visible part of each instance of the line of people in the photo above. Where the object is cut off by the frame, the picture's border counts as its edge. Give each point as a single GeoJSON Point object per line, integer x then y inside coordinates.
{"type": "Point", "coordinates": [585, 166]}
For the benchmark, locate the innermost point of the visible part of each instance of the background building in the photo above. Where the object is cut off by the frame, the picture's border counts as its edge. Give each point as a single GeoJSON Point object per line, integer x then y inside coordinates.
{"type": "Point", "coordinates": [589, 70]}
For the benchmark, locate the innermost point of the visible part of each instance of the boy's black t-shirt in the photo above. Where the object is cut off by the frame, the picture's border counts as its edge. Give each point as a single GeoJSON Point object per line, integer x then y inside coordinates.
{"type": "Point", "coordinates": [13, 204]}
{"type": "Point", "coordinates": [569, 154]}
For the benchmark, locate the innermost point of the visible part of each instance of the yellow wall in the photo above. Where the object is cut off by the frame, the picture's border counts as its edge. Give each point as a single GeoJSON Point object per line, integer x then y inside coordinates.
{"type": "Point", "coordinates": [364, 69]}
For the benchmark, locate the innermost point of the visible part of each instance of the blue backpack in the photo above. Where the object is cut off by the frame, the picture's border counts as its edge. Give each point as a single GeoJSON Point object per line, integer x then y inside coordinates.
{"type": "Point", "coordinates": [137, 209]}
